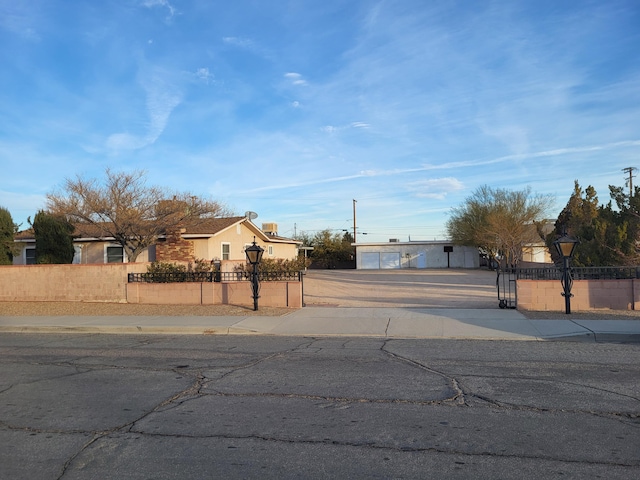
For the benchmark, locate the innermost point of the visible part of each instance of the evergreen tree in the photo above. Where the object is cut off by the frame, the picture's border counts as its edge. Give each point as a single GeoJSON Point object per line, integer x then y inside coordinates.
{"type": "Point", "coordinates": [330, 250]}
{"type": "Point", "coordinates": [54, 243]}
{"type": "Point", "coordinates": [607, 235]}
{"type": "Point", "coordinates": [7, 231]}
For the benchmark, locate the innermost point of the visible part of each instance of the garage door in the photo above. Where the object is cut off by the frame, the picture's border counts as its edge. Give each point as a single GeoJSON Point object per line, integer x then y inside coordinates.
{"type": "Point", "coordinates": [390, 260]}
{"type": "Point", "coordinates": [370, 260]}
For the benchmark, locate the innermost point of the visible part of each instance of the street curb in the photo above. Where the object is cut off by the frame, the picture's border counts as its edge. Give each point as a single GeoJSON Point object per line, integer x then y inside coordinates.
{"type": "Point", "coordinates": [137, 330]}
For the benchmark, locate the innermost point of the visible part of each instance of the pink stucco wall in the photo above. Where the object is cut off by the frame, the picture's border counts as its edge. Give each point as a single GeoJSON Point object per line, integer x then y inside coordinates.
{"type": "Point", "coordinates": [108, 283]}
{"type": "Point", "coordinates": [64, 283]}
{"type": "Point", "coordinates": [272, 294]}
{"type": "Point", "coordinates": [545, 295]}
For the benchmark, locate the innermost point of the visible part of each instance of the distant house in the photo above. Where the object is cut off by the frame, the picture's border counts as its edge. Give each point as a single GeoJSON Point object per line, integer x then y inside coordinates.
{"type": "Point", "coordinates": [415, 254]}
{"type": "Point", "coordinates": [223, 239]}
{"type": "Point", "coordinates": [538, 252]}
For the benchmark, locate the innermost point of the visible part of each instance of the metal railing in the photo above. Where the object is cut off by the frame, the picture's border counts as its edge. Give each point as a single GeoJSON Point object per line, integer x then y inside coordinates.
{"type": "Point", "coordinates": [182, 277]}
{"type": "Point", "coordinates": [507, 278]}
{"type": "Point", "coordinates": [578, 273]}
{"type": "Point", "coordinates": [174, 277]}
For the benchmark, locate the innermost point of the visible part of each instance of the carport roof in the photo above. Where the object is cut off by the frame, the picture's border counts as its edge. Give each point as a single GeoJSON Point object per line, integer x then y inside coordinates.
{"type": "Point", "coordinates": [413, 243]}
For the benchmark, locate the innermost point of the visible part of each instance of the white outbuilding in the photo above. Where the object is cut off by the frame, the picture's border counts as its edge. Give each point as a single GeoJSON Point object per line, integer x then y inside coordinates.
{"type": "Point", "coordinates": [416, 254]}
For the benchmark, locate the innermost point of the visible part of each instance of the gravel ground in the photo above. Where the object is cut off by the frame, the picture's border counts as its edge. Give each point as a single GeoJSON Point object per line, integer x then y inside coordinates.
{"type": "Point", "coordinates": [16, 309]}
{"type": "Point", "coordinates": [584, 315]}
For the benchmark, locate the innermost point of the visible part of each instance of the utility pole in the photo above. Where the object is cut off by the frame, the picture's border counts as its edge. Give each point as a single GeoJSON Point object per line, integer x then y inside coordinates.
{"type": "Point", "coordinates": [354, 222]}
{"type": "Point", "coordinates": [629, 182]}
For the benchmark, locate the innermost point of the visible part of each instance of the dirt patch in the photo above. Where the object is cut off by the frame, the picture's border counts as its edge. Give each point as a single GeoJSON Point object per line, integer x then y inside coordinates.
{"type": "Point", "coordinates": [583, 315]}
{"type": "Point", "coordinates": [17, 309]}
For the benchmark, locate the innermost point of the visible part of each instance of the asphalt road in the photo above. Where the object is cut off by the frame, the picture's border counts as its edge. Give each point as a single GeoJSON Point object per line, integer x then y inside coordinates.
{"type": "Point", "coordinates": [165, 407]}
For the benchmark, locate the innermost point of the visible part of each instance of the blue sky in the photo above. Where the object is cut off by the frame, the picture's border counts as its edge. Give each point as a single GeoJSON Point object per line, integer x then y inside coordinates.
{"type": "Point", "coordinates": [292, 109]}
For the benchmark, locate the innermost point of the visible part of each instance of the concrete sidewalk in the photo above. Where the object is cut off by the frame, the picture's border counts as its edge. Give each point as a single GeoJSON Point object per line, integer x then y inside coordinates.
{"type": "Point", "coordinates": [485, 324]}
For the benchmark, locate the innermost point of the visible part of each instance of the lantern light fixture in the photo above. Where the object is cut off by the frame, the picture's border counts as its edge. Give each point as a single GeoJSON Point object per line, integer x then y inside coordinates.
{"type": "Point", "coordinates": [566, 246]}
{"type": "Point", "coordinates": [254, 256]}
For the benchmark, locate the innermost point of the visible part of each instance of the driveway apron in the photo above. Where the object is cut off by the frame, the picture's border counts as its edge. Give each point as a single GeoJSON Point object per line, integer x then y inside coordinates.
{"type": "Point", "coordinates": [438, 288]}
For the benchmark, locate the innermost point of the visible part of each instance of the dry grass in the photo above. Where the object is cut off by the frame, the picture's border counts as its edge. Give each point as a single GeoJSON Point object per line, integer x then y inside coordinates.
{"type": "Point", "coordinates": [584, 315]}
{"type": "Point", "coordinates": [16, 309]}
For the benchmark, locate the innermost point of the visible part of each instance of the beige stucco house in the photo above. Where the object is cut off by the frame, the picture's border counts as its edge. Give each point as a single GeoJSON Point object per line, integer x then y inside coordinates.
{"type": "Point", "coordinates": [223, 239]}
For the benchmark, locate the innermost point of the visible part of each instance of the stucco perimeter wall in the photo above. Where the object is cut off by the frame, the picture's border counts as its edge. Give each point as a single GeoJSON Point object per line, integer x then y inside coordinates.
{"type": "Point", "coordinates": [545, 295]}
{"type": "Point", "coordinates": [67, 283]}
{"type": "Point", "coordinates": [272, 294]}
{"type": "Point", "coordinates": [109, 283]}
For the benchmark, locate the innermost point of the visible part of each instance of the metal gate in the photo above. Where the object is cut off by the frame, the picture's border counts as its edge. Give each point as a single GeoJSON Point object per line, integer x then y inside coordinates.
{"type": "Point", "coordinates": [506, 285]}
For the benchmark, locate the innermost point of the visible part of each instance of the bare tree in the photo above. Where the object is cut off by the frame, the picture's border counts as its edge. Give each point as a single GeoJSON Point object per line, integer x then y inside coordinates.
{"type": "Point", "coordinates": [125, 208]}
{"type": "Point", "coordinates": [499, 221]}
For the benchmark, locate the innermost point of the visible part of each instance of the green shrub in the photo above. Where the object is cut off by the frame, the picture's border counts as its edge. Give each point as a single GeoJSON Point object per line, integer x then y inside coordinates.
{"type": "Point", "coordinates": [277, 265]}
{"type": "Point", "coordinates": [7, 231]}
{"type": "Point", "coordinates": [54, 243]}
{"type": "Point", "coordinates": [166, 272]}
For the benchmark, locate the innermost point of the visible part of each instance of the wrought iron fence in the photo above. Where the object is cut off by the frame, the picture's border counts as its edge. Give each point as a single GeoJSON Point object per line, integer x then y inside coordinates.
{"type": "Point", "coordinates": [181, 277]}
{"type": "Point", "coordinates": [173, 277]}
{"type": "Point", "coordinates": [544, 273]}
{"type": "Point", "coordinates": [507, 277]}
{"type": "Point", "coordinates": [578, 273]}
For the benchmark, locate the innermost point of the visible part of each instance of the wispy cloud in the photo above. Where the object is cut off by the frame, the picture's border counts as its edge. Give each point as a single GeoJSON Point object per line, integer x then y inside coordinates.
{"type": "Point", "coordinates": [439, 187]}
{"type": "Point", "coordinates": [241, 42]}
{"type": "Point", "coordinates": [331, 129]}
{"type": "Point", "coordinates": [161, 3]}
{"type": "Point", "coordinates": [17, 17]}
{"type": "Point", "coordinates": [435, 188]}
{"type": "Point", "coordinates": [295, 79]}
{"type": "Point", "coordinates": [204, 75]}
{"type": "Point", "coordinates": [342, 178]}
{"type": "Point", "coordinates": [397, 107]}
{"type": "Point", "coordinates": [248, 45]}
{"type": "Point", "coordinates": [161, 98]}
{"type": "Point", "coordinates": [525, 156]}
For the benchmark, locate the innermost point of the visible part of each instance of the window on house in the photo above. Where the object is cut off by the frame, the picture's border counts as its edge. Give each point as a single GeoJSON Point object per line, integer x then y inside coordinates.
{"type": "Point", "coordinates": [77, 254]}
{"type": "Point", "coordinates": [30, 256]}
{"type": "Point", "coordinates": [270, 250]}
{"type": "Point", "coordinates": [114, 254]}
{"type": "Point", "coordinates": [226, 249]}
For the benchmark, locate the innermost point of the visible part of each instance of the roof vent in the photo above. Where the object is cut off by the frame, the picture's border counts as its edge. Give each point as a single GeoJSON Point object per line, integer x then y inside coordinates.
{"type": "Point", "coordinates": [270, 228]}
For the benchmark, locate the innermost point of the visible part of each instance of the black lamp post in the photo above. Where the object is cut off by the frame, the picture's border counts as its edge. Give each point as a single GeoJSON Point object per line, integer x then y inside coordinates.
{"type": "Point", "coordinates": [565, 246]}
{"type": "Point", "coordinates": [254, 255]}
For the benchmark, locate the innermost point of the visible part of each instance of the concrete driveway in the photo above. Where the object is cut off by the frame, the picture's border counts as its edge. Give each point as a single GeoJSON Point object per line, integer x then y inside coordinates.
{"type": "Point", "coordinates": [444, 288]}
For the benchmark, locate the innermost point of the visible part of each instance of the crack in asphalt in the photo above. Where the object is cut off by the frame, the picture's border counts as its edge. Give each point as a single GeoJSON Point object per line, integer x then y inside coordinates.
{"type": "Point", "coordinates": [554, 382]}
{"type": "Point", "coordinates": [463, 394]}
{"type": "Point", "coordinates": [375, 446]}
{"type": "Point", "coordinates": [345, 400]}
{"type": "Point", "coordinates": [460, 398]}
{"type": "Point", "coordinates": [193, 391]}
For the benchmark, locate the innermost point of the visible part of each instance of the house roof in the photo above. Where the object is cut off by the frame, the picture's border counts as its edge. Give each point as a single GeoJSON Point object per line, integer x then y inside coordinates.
{"type": "Point", "coordinates": [211, 226]}
{"type": "Point", "coordinates": [206, 228]}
